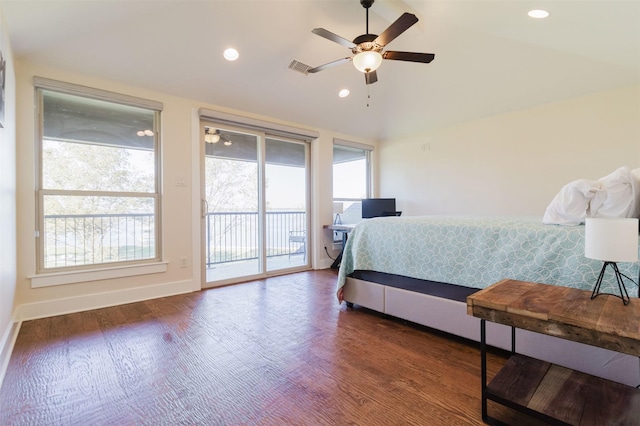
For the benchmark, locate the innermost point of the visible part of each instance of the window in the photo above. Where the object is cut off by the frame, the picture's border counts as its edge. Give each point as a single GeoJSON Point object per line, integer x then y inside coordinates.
{"type": "Point", "coordinates": [98, 184]}
{"type": "Point", "coordinates": [351, 179]}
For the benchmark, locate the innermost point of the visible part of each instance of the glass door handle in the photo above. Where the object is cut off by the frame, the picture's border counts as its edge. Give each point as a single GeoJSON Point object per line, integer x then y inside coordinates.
{"type": "Point", "coordinates": [204, 208]}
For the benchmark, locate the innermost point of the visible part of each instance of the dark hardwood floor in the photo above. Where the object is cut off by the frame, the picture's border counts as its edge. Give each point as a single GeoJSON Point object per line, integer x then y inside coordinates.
{"type": "Point", "coordinates": [278, 351]}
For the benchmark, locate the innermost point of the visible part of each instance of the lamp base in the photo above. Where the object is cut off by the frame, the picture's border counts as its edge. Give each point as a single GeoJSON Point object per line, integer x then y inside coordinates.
{"type": "Point", "coordinates": [623, 291]}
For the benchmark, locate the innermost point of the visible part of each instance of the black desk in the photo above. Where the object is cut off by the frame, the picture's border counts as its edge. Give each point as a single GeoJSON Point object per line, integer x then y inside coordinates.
{"type": "Point", "coordinates": [344, 229]}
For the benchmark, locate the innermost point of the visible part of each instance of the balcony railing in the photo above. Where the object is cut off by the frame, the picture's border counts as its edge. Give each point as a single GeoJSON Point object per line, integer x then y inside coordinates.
{"type": "Point", "coordinates": [233, 236]}
{"type": "Point", "coordinates": [76, 240]}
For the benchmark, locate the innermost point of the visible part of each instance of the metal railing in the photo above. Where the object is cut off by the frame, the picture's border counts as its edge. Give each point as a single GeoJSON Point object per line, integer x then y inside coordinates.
{"type": "Point", "coordinates": [234, 236]}
{"type": "Point", "coordinates": [76, 240]}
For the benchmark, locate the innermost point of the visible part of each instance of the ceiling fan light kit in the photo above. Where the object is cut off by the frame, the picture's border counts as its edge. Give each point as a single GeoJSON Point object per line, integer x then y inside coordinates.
{"type": "Point", "coordinates": [368, 48]}
{"type": "Point", "coordinates": [211, 138]}
{"type": "Point", "coordinates": [214, 136]}
{"type": "Point", "coordinates": [367, 61]}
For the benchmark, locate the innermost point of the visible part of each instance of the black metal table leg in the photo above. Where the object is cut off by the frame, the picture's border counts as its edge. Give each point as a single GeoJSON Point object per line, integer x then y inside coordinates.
{"type": "Point", "coordinates": [483, 367]}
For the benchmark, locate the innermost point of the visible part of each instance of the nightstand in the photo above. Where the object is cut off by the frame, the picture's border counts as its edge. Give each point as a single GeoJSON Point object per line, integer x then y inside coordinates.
{"type": "Point", "coordinates": [552, 393]}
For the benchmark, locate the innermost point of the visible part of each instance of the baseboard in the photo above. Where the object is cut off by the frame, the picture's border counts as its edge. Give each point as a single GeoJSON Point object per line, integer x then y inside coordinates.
{"type": "Point", "coordinates": [6, 347]}
{"type": "Point", "coordinates": [324, 264]}
{"type": "Point", "coordinates": [51, 308]}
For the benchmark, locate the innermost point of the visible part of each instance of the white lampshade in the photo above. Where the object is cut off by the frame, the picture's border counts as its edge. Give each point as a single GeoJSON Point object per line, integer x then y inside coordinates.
{"type": "Point", "coordinates": [367, 61]}
{"type": "Point", "coordinates": [338, 208]}
{"type": "Point", "coordinates": [611, 240]}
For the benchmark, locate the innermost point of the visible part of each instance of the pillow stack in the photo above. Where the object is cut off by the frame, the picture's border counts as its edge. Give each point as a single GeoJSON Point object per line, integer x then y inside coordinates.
{"type": "Point", "coordinates": [616, 195]}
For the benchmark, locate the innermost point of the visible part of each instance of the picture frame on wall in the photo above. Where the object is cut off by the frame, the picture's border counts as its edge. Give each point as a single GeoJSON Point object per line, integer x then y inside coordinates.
{"type": "Point", "coordinates": [3, 65]}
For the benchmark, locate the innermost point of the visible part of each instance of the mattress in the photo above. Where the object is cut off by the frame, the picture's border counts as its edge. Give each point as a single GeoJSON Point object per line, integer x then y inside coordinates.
{"type": "Point", "coordinates": [476, 252]}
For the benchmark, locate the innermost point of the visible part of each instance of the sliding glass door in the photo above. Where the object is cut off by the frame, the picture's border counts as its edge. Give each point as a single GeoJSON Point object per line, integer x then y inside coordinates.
{"type": "Point", "coordinates": [286, 204]}
{"type": "Point", "coordinates": [255, 206]}
{"type": "Point", "coordinates": [232, 179]}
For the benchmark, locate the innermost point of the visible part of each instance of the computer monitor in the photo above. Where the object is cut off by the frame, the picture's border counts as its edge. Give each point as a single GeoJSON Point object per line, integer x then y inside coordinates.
{"type": "Point", "coordinates": [378, 207]}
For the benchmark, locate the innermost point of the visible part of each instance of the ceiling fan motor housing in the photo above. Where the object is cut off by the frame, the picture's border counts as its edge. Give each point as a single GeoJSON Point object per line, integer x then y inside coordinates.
{"type": "Point", "coordinates": [365, 43]}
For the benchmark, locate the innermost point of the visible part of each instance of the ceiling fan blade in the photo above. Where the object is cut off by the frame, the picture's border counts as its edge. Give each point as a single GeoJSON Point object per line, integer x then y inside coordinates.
{"type": "Point", "coordinates": [370, 77]}
{"type": "Point", "coordinates": [333, 37]}
{"type": "Point", "coordinates": [329, 65]}
{"type": "Point", "coordinates": [408, 56]}
{"type": "Point", "coordinates": [401, 25]}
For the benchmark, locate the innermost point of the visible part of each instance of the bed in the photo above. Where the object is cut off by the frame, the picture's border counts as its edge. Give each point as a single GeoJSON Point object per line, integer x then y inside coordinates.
{"type": "Point", "coordinates": [421, 269]}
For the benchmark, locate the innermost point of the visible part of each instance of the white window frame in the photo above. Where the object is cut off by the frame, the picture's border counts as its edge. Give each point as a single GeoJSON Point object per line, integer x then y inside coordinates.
{"type": "Point", "coordinates": [368, 150]}
{"type": "Point", "coordinates": [45, 277]}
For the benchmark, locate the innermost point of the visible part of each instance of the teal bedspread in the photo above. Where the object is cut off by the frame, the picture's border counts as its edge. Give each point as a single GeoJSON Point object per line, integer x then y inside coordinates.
{"type": "Point", "coordinates": [476, 251]}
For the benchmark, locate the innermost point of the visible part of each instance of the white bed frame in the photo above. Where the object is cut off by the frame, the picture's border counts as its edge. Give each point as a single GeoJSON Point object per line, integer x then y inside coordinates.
{"type": "Point", "coordinates": [451, 316]}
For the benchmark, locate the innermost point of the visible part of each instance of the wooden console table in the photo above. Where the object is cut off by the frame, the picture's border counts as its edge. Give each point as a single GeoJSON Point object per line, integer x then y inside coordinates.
{"type": "Point", "coordinates": [552, 393]}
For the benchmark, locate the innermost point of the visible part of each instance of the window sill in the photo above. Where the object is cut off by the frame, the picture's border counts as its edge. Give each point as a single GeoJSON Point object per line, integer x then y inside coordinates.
{"type": "Point", "coordinates": [73, 277]}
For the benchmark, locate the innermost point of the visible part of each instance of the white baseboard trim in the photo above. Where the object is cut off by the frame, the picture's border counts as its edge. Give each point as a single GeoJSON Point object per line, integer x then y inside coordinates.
{"type": "Point", "coordinates": [50, 308]}
{"type": "Point", "coordinates": [6, 347]}
{"type": "Point", "coordinates": [324, 264]}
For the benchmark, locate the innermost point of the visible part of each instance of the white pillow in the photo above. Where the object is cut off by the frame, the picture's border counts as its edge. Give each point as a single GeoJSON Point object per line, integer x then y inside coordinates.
{"type": "Point", "coordinates": [571, 205]}
{"type": "Point", "coordinates": [623, 195]}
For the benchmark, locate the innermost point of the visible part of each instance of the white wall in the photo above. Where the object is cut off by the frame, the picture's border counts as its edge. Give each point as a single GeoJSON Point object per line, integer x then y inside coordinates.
{"type": "Point", "coordinates": [514, 163]}
{"type": "Point", "coordinates": [181, 205]}
{"type": "Point", "coordinates": [7, 204]}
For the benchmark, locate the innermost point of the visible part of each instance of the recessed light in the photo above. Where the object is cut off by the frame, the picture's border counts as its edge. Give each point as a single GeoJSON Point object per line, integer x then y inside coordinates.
{"type": "Point", "coordinates": [538, 13]}
{"type": "Point", "coordinates": [231, 54]}
{"type": "Point", "coordinates": [343, 93]}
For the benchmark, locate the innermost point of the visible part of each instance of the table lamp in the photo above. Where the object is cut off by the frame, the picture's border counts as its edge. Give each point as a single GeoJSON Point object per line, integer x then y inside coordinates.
{"type": "Point", "coordinates": [338, 209]}
{"type": "Point", "coordinates": [612, 241]}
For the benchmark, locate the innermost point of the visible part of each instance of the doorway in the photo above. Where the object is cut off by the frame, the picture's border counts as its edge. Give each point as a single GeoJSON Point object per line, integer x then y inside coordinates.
{"type": "Point", "coordinates": [255, 204]}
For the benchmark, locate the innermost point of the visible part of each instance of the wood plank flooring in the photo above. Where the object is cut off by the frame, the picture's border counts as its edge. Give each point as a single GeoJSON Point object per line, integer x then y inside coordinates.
{"type": "Point", "coordinates": [278, 351]}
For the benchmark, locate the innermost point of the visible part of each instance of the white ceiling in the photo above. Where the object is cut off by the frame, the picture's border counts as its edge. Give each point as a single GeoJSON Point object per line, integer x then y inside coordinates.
{"type": "Point", "coordinates": [490, 56]}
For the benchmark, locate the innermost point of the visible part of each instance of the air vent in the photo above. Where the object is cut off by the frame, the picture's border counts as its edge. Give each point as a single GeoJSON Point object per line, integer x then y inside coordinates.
{"type": "Point", "coordinates": [299, 67]}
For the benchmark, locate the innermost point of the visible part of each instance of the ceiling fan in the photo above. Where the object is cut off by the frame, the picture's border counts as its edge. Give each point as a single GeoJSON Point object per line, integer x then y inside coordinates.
{"type": "Point", "coordinates": [214, 136]}
{"type": "Point", "coordinates": [368, 48]}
